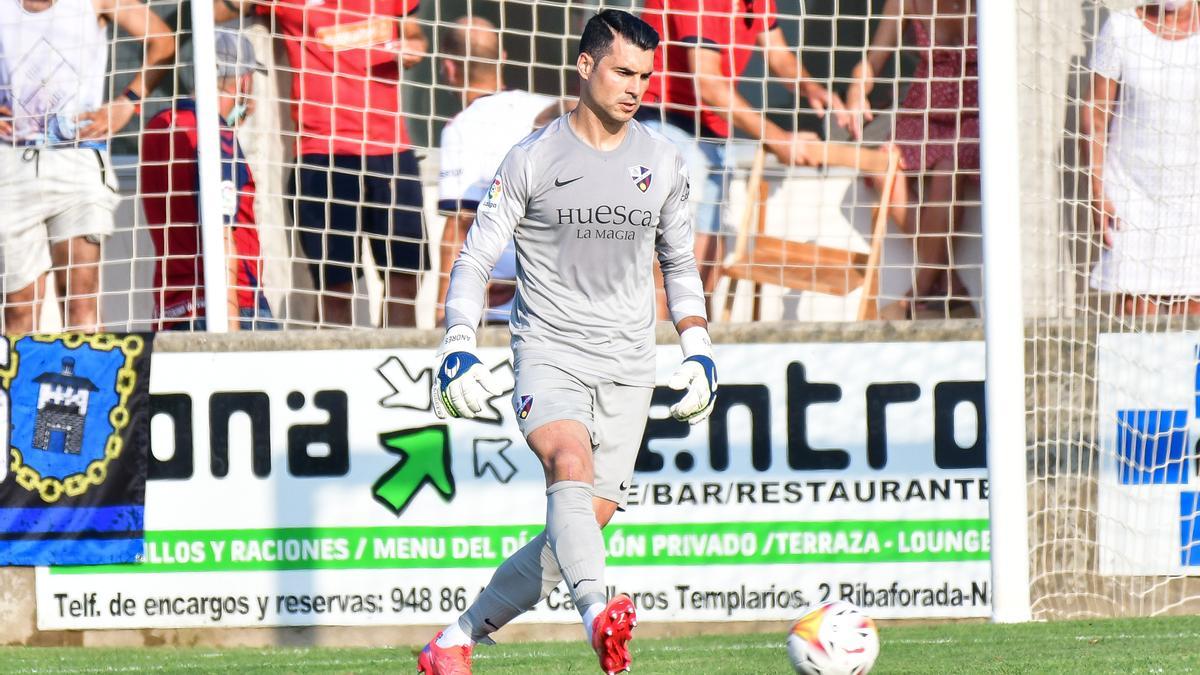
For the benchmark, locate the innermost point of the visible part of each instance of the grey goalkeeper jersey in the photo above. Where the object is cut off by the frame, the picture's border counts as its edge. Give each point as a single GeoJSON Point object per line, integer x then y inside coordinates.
{"type": "Point", "coordinates": [587, 224]}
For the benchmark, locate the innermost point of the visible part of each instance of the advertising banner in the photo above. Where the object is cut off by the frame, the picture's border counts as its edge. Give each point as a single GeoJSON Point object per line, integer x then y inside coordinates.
{"type": "Point", "coordinates": [1148, 421]}
{"type": "Point", "coordinates": [318, 488]}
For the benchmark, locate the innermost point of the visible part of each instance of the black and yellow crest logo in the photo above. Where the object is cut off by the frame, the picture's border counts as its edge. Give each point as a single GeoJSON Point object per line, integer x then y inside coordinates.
{"type": "Point", "coordinates": [68, 403]}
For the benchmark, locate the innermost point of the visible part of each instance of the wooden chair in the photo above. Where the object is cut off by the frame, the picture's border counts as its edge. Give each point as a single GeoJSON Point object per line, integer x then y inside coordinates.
{"type": "Point", "coordinates": [807, 266]}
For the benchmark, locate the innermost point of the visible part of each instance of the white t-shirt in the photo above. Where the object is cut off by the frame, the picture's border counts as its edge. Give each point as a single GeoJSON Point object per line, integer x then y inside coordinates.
{"type": "Point", "coordinates": [1152, 160]}
{"type": "Point", "coordinates": [474, 143]}
{"type": "Point", "coordinates": [52, 67]}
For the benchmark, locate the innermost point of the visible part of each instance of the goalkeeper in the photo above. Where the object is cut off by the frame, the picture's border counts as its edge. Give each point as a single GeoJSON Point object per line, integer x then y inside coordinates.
{"type": "Point", "coordinates": [589, 200]}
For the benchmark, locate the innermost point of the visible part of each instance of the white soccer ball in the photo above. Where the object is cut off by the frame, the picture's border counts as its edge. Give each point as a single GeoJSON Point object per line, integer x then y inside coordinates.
{"type": "Point", "coordinates": [836, 638]}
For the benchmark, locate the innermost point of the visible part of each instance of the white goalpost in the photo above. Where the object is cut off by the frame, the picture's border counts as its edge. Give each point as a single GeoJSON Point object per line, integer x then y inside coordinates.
{"type": "Point", "coordinates": [212, 222]}
{"type": "Point", "coordinates": [1003, 312]}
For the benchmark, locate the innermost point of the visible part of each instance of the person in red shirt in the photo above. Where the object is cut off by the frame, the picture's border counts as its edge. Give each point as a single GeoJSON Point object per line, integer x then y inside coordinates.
{"type": "Point", "coordinates": [170, 187]}
{"type": "Point", "coordinates": [357, 176]}
{"type": "Point", "coordinates": [693, 98]}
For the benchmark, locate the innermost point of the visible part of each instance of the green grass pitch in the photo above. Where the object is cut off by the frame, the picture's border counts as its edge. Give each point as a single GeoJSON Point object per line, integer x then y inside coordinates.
{"type": "Point", "coordinates": [1113, 646]}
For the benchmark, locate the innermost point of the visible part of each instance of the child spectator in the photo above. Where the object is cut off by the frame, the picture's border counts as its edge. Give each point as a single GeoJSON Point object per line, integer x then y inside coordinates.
{"type": "Point", "coordinates": [171, 194]}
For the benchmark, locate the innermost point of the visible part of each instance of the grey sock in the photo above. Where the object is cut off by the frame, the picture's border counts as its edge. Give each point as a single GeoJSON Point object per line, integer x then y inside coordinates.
{"type": "Point", "coordinates": [575, 537]}
{"type": "Point", "coordinates": [521, 582]}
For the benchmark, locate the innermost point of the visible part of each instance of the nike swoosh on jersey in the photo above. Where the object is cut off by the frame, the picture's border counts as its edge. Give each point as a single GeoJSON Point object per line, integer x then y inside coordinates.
{"type": "Point", "coordinates": [451, 372]}
{"type": "Point", "coordinates": [558, 183]}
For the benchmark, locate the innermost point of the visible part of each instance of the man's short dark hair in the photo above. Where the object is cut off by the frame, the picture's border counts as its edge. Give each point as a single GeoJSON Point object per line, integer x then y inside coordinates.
{"type": "Point", "coordinates": [602, 29]}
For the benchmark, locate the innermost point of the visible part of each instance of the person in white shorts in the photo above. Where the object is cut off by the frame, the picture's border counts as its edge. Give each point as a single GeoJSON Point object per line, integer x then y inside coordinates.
{"type": "Point", "coordinates": [591, 200]}
{"type": "Point", "coordinates": [475, 141]}
{"type": "Point", "coordinates": [58, 190]}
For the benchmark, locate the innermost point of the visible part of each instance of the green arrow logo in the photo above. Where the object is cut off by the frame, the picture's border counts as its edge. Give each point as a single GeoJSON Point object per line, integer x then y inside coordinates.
{"type": "Point", "coordinates": [424, 458]}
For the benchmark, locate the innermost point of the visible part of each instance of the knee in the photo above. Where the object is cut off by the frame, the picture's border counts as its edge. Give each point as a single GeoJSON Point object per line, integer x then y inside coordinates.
{"type": "Point", "coordinates": [568, 463]}
{"type": "Point", "coordinates": [941, 179]}
{"type": "Point", "coordinates": [85, 276]}
{"type": "Point", "coordinates": [18, 318]}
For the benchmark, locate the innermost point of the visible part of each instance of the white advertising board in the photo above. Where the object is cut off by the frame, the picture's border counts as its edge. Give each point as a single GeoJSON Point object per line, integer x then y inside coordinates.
{"type": "Point", "coordinates": [1148, 421]}
{"type": "Point", "coordinates": [317, 488]}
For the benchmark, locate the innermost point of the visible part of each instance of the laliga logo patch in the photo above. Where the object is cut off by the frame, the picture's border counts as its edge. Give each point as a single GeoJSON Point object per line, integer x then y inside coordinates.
{"type": "Point", "coordinates": [492, 199]}
{"type": "Point", "coordinates": [524, 405]}
{"type": "Point", "coordinates": [641, 177]}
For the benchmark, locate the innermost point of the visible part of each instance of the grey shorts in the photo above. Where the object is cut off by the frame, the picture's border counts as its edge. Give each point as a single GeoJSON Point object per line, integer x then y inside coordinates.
{"type": "Point", "coordinates": [614, 415]}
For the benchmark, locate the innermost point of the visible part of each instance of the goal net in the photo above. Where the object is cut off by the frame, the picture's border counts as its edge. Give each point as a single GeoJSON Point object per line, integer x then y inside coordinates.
{"type": "Point", "coordinates": [1109, 211]}
{"type": "Point", "coordinates": [1111, 228]}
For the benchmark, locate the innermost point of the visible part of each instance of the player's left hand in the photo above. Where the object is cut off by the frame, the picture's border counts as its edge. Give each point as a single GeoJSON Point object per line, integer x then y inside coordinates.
{"type": "Point", "coordinates": [696, 377]}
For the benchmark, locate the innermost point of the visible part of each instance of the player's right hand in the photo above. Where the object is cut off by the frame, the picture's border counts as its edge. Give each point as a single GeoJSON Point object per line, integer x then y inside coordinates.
{"type": "Point", "coordinates": [461, 383]}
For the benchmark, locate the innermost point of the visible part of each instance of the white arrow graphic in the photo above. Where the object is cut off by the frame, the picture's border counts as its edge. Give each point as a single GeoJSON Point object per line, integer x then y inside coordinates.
{"type": "Point", "coordinates": [489, 456]}
{"type": "Point", "coordinates": [408, 391]}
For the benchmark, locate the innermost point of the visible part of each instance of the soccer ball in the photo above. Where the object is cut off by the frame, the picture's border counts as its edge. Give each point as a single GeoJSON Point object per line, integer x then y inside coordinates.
{"type": "Point", "coordinates": [836, 638]}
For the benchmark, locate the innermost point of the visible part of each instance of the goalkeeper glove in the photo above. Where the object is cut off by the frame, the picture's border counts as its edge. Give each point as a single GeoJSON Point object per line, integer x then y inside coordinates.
{"type": "Point", "coordinates": [461, 383]}
{"type": "Point", "coordinates": [696, 377]}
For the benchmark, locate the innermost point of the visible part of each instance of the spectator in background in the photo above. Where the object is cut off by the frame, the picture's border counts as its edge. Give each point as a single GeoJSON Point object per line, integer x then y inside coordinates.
{"type": "Point", "coordinates": [357, 176]}
{"type": "Point", "coordinates": [475, 141]}
{"type": "Point", "coordinates": [58, 190]}
{"type": "Point", "coordinates": [171, 198]}
{"type": "Point", "coordinates": [693, 99]}
{"type": "Point", "coordinates": [1143, 132]}
{"type": "Point", "coordinates": [937, 134]}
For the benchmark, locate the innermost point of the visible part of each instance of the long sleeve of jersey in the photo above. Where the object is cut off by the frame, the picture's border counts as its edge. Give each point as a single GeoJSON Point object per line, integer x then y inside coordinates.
{"type": "Point", "coordinates": [501, 210]}
{"type": "Point", "coordinates": [676, 253]}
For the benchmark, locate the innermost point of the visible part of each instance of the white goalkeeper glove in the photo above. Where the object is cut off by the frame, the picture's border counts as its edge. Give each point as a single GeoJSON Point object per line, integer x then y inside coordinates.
{"type": "Point", "coordinates": [462, 385]}
{"type": "Point", "coordinates": [696, 377]}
